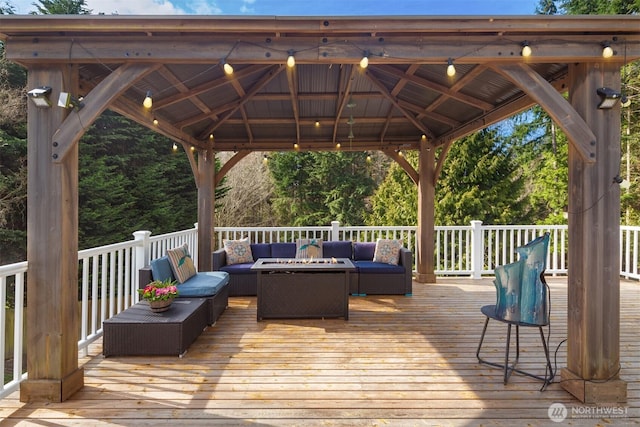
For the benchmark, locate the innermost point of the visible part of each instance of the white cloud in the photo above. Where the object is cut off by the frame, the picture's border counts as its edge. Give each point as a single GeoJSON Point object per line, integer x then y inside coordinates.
{"type": "Point", "coordinates": [137, 7]}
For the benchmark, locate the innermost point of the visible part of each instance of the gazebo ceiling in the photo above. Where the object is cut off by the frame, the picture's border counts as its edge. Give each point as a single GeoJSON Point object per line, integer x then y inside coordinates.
{"type": "Point", "coordinates": [403, 94]}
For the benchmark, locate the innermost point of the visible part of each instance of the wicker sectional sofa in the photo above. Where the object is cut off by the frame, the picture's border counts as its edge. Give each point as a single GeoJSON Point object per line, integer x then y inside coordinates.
{"type": "Point", "coordinates": [371, 278]}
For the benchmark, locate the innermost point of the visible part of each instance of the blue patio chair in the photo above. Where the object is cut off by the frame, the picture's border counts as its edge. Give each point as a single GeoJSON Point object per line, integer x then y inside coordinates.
{"type": "Point", "coordinates": [522, 300]}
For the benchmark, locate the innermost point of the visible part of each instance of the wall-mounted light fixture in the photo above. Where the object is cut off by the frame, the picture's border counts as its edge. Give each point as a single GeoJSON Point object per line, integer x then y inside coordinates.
{"type": "Point", "coordinates": [608, 97]}
{"type": "Point", "coordinates": [40, 96]}
{"type": "Point", "coordinates": [65, 100]}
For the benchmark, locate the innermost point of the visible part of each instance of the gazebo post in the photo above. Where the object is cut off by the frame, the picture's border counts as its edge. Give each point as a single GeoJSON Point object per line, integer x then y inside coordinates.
{"type": "Point", "coordinates": [206, 203]}
{"type": "Point", "coordinates": [593, 345]}
{"type": "Point", "coordinates": [426, 214]}
{"type": "Point", "coordinates": [52, 251]}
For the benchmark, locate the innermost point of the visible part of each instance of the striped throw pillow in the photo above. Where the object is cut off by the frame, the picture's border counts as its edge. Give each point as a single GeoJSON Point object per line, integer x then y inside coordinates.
{"type": "Point", "coordinates": [181, 263]}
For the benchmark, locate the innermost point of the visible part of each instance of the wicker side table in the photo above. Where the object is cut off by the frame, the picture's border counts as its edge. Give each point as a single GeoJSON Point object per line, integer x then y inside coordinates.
{"type": "Point", "coordinates": [137, 331]}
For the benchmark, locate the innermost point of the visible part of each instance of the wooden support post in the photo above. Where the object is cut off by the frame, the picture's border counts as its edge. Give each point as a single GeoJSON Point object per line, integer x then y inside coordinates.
{"type": "Point", "coordinates": [52, 252]}
{"type": "Point", "coordinates": [593, 344]}
{"type": "Point", "coordinates": [426, 214]}
{"type": "Point", "coordinates": [206, 202]}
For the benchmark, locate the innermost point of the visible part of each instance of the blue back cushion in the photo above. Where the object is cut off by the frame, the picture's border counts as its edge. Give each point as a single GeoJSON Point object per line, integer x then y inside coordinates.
{"type": "Point", "coordinates": [260, 250]}
{"type": "Point", "coordinates": [337, 249]}
{"type": "Point", "coordinates": [283, 250]}
{"type": "Point", "coordinates": [363, 251]}
{"type": "Point", "coordinates": [161, 269]}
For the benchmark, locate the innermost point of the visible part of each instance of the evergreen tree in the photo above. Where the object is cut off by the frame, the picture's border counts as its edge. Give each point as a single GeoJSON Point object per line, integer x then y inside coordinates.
{"type": "Point", "coordinates": [314, 188]}
{"type": "Point", "coordinates": [61, 7]}
{"type": "Point", "coordinates": [395, 202]}
{"type": "Point", "coordinates": [480, 180]}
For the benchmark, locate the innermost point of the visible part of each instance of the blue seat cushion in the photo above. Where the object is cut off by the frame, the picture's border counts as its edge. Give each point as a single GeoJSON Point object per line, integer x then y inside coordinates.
{"type": "Point", "coordinates": [244, 268]}
{"type": "Point", "coordinates": [204, 284]}
{"type": "Point", "coordinates": [161, 269]}
{"type": "Point", "coordinates": [377, 267]}
{"type": "Point", "coordinates": [260, 250]}
{"type": "Point", "coordinates": [337, 249]}
{"type": "Point", "coordinates": [283, 250]}
{"type": "Point", "coordinates": [364, 251]}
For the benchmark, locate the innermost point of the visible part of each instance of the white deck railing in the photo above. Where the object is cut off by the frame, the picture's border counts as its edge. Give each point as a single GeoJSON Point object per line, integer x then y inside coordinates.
{"type": "Point", "coordinates": [109, 274]}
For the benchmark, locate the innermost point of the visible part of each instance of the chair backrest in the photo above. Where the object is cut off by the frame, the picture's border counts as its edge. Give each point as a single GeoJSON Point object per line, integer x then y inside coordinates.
{"type": "Point", "coordinates": [522, 292]}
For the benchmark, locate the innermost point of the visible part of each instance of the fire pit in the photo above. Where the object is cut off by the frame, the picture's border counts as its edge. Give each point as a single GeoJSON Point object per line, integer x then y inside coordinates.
{"type": "Point", "coordinates": [303, 288]}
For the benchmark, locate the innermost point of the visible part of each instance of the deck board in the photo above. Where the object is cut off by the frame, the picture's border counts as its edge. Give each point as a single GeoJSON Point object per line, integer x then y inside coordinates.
{"type": "Point", "coordinates": [397, 361]}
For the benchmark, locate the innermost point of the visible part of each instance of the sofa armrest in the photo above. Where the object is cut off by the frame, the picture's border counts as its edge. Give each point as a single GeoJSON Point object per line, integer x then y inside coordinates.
{"type": "Point", "coordinates": [144, 277]}
{"type": "Point", "coordinates": [406, 259]}
{"type": "Point", "coordinates": [219, 259]}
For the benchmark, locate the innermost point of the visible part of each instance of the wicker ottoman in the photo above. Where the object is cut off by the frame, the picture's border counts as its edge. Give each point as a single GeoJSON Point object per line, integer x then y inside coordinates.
{"type": "Point", "coordinates": [137, 331]}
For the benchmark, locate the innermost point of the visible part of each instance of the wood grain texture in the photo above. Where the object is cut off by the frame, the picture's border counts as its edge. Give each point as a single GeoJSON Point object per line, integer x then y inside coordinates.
{"type": "Point", "coordinates": [398, 361]}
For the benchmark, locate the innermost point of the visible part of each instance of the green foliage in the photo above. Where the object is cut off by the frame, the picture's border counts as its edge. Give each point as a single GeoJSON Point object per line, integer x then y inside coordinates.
{"type": "Point", "coordinates": [588, 7]}
{"type": "Point", "coordinates": [480, 180]}
{"type": "Point", "coordinates": [396, 199]}
{"type": "Point", "coordinates": [316, 188]}
{"type": "Point", "coordinates": [61, 7]}
{"type": "Point", "coordinates": [13, 198]}
{"type": "Point", "coordinates": [130, 180]}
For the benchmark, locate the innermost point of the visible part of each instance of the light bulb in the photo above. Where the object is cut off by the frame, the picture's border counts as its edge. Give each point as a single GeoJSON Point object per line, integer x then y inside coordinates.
{"type": "Point", "coordinates": [155, 121]}
{"type": "Point", "coordinates": [228, 69]}
{"type": "Point", "coordinates": [451, 70]}
{"type": "Point", "coordinates": [338, 145]}
{"type": "Point", "coordinates": [291, 61]}
{"type": "Point", "coordinates": [175, 147]}
{"type": "Point", "coordinates": [607, 50]}
{"type": "Point", "coordinates": [148, 100]}
{"type": "Point", "coordinates": [526, 50]}
{"type": "Point", "coordinates": [364, 62]}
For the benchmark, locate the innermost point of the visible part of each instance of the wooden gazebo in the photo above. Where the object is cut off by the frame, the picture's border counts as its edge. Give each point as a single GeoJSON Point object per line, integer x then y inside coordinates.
{"type": "Point", "coordinates": [404, 99]}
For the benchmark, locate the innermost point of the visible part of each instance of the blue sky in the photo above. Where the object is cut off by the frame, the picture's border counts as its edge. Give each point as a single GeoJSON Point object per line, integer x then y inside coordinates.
{"type": "Point", "coordinates": [302, 7]}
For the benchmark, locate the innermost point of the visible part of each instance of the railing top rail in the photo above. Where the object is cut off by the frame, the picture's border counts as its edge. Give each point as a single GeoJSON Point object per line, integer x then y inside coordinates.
{"type": "Point", "coordinates": [11, 269]}
{"type": "Point", "coordinates": [85, 253]}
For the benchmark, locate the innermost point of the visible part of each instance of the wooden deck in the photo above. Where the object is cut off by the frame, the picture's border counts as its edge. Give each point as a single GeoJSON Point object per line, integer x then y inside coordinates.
{"type": "Point", "coordinates": [397, 361]}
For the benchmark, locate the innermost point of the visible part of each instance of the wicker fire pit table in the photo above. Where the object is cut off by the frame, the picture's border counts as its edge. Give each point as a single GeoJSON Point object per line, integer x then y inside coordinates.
{"type": "Point", "coordinates": [303, 288]}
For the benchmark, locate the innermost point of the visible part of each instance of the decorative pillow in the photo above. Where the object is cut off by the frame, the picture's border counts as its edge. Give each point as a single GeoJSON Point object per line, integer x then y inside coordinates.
{"type": "Point", "coordinates": [238, 251]}
{"type": "Point", "coordinates": [387, 251]}
{"type": "Point", "coordinates": [181, 263]}
{"type": "Point", "coordinates": [309, 248]}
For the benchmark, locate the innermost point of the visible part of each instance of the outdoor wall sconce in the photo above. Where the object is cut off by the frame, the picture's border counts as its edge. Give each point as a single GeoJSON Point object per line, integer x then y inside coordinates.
{"type": "Point", "coordinates": [40, 96]}
{"type": "Point", "coordinates": [65, 100]}
{"type": "Point", "coordinates": [608, 97]}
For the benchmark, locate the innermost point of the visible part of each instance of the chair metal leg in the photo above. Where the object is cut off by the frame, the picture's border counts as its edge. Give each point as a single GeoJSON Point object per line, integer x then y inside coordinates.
{"type": "Point", "coordinates": [509, 369]}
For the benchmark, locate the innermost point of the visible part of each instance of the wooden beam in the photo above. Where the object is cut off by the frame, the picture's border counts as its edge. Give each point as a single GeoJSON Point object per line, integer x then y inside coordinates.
{"type": "Point", "coordinates": [593, 329]}
{"type": "Point", "coordinates": [293, 90]}
{"type": "Point", "coordinates": [426, 215]}
{"type": "Point", "coordinates": [266, 78]}
{"type": "Point", "coordinates": [384, 91]}
{"type": "Point", "coordinates": [95, 102]}
{"type": "Point", "coordinates": [404, 164]}
{"type": "Point", "coordinates": [206, 203]}
{"type": "Point", "coordinates": [576, 129]}
{"type": "Point", "coordinates": [52, 313]}
{"type": "Point", "coordinates": [229, 164]}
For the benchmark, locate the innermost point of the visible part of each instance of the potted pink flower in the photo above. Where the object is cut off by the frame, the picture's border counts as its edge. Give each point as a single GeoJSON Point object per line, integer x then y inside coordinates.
{"type": "Point", "coordinates": [159, 294]}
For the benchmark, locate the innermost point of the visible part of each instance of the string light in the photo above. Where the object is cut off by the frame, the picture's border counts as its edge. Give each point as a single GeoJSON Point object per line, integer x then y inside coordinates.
{"type": "Point", "coordinates": [148, 100]}
{"type": "Point", "coordinates": [291, 60]}
{"type": "Point", "coordinates": [265, 159]}
{"type": "Point", "coordinates": [175, 147]}
{"type": "Point", "coordinates": [155, 121]}
{"type": "Point", "coordinates": [228, 69]}
{"type": "Point", "coordinates": [317, 123]}
{"type": "Point", "coordinates": [338, 145]}
{"type": "Point", "coordinates": [451, 69]}
{"type": "Point", "coordinates": [364, 62]}
{"type": "Point", "coordinates": [526, 49]}
{"type": "Point", "coordinates": [295, 145]}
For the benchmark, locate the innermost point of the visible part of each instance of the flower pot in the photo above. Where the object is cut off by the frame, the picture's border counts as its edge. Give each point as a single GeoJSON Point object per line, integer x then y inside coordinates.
{"type": "Point", "coordinates": [160, 306]}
